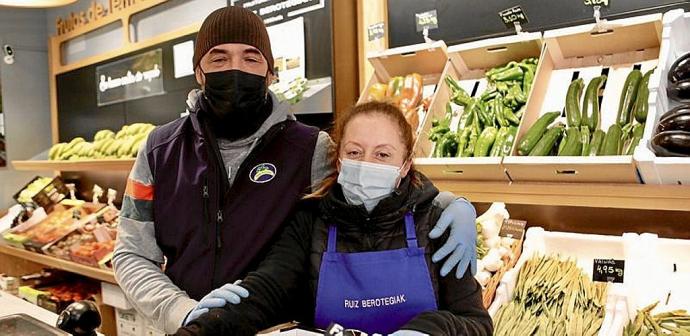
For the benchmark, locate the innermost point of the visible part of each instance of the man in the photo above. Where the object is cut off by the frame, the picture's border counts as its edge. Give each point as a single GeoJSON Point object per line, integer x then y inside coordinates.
{"type": "Point", "coordinates": [210, 191]}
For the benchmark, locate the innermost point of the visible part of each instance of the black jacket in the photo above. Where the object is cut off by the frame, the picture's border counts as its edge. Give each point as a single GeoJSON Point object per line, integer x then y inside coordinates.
{"type": "Point", "coordinates": [277, 286]}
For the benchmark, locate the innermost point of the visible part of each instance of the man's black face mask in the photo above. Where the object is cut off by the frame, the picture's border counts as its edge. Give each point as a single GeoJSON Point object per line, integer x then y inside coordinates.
{"type": "Point", "coordinates": [235, 103]}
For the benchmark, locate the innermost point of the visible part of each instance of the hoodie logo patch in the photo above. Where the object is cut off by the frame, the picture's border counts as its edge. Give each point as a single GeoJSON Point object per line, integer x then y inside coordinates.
{"type": "Point", "coordinates": [263, 172]}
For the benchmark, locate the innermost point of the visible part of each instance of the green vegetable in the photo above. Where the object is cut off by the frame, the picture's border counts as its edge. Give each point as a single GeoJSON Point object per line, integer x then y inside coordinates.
{"type": "Point", "coordinates": [561, 144]}
{"type": "Point", "coordinates": [468, 114]}
{"type": "Point", "coordinates": [509, 140]}
{"type": "Point", "coordinates": [584, 138]}
{"type": "Point", "coordinates": [449, 145]}
{"type": "Point", "coordinates": [572, 102]}
{"type": "Point", "coordinates": [638, 131]}
{"type": "Point", "coordinates": [469, 150]}
{"type": "Point", "coordinates": [510, 117]}
{"type": "Point", "coordinates": [463, 139]}
{"type": "Point", "coordinates": [641, 102]}
{"type": "Point", "coordinates": [598, 138]}
{"type": "Point", "coordinates": [497, 147]}
{"type": "Point", "coordinates": [547, 142]}
{"type": "Point", "coordinates": [534, 134]}
{"type": "Point", "coordinates": [590, 114]}
{"type": "Point", "coordinates": [528, 80]}
{"type": "Point", "coordinates": [498, 112]}
{"type": "Point", "coordinates": [510, 74]}
{"type": "Point", "coordinates": [612, 142]}
{"type": "Point", "coordinates": [573, 144]}
{"type": "Point", "coordinates": [486, 140]}
{"type": "Point", "coordinates": [628, 97]}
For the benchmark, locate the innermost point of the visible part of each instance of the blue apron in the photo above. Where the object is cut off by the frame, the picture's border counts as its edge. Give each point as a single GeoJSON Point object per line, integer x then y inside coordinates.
{"type": "Point", "coordinates": [374, 292]}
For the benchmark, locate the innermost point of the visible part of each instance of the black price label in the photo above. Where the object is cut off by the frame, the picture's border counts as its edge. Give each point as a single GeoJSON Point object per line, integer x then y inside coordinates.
{"type": "Point", "coordinates": [375, 31]}
{"type": "Point", "coordinates": [608, 270]}
{"type": "Point", "coordinates": [426, 20]}
{"type": "Point", "coordinates": [602, 3]}
{"type": "Point", "coordinates": [513, 228]}
{"type": "Point", "coordinates": [512, 15]}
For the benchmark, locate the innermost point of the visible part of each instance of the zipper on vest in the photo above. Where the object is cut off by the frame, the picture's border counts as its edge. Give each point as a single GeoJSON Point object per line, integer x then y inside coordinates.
{"type": "Point", "coordinates": [219, 220]}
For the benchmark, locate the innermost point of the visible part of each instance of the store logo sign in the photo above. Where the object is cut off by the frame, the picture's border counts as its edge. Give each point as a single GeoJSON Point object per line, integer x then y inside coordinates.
{"type": "Point", "coordinates": [263, 173]}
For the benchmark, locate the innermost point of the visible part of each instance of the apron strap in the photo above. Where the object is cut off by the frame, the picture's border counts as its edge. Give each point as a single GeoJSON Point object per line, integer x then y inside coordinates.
{"type": "Point", "coordinates": [332, 234]}
{"type": "Point", "coordinates": [409, 230]}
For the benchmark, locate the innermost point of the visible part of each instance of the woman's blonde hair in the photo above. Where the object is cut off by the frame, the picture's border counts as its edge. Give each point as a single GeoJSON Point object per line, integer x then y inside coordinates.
{"type": "Point", "coordinates": [385, 109]}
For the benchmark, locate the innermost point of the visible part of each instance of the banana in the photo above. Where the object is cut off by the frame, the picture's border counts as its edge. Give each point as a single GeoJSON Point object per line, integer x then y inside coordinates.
{"type": "Point", "coordinates": [104, 134]}
{"type": "Point", "coordinates": [112, 149]}
{"type": "Point", "coordinates": [55, 150]}
{"type": "Point", "coordinates": [106, 143]}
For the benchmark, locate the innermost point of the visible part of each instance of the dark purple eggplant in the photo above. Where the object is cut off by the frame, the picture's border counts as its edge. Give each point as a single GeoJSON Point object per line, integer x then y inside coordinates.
{"type": "Point", "coordinates": [679, 92]}
{"type": "Point", "coordinates": [680, 70]}
{"type": "Point", "coordinates": [677, 119]}
{"type": "Point", "coordinates": [671, 143]}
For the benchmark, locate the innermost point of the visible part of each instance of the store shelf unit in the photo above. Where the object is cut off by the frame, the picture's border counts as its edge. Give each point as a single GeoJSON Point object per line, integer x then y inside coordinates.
{"type": "Point", "coordinates": [124, 165]}
{"type": "Point", "coordinates": [87, 271]}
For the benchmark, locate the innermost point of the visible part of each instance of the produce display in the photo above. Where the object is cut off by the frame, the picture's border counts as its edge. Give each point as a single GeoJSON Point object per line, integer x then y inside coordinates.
{"type": "Point", "coordinates": [106, 144]}
{"type": "Point", "coordinates": [493, 252]}
{"type": "Point", "coordinates": [672, 134]}
{"type": "Point", "coordinates": [291, 92]}
{"type": "Point", "coordinates": [488, 123]}
{"type": "Point", "coordinates": [25, 196]}
{"type": "Point", "coordinates": [675, 322]}
{"type": "Point", "coordinates": [583, 136]}
{"type": "Point", "coordinates": [552, 297]}
{"type": "Point", "coordinates": [404, 92]}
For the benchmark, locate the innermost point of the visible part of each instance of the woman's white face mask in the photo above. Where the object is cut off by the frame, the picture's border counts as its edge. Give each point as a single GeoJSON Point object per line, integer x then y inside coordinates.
{"type": "Point", "coordinates": [367, 183]}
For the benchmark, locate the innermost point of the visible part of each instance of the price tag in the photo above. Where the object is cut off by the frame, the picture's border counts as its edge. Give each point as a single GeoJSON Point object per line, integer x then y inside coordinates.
{"type": "Point", "coordinates": [375, 31]}
{"type": "Point", "coordinates": [512, 15]}
{"type": "Point", "coordinates": [603, 3]}
{"type": "Point", "coordinates": [426, 20]}
{"type": "Point", "coordinates": [608, 270]}
{"type": "Point", "coordinates": [513, 228]}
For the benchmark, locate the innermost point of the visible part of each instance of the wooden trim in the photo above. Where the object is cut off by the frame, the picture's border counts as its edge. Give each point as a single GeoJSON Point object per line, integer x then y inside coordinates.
{"type": "Point", "coordinates": [370, 12]}
{"type": "Point", "coordinates": [619, 196]}
{"type": "Point", "coordinates": [91, 272]}
{"type": "Point", "coordinates": [345, 58]}
{"type": "Point", "coordinates": [124, 165]}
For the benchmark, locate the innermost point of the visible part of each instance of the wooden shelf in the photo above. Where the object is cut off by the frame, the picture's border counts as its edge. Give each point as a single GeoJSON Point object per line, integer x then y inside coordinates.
{"type": "Point", "coordinates": [87, 271]}
{"type": "Point", "coordinates": [124, 165]}
{"type": "Point", "coordinates": [619, 196]}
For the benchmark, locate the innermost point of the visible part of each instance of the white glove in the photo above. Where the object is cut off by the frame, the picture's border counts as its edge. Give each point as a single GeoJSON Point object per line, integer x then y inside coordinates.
{"type": "Point", "coordinates": [408, 333]}
{"type": "Point", "coordinates": [229, 293]}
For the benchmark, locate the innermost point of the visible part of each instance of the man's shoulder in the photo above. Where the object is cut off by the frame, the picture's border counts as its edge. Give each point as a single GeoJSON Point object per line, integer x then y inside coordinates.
{"type": "Point", "coordinates": [166, 133]}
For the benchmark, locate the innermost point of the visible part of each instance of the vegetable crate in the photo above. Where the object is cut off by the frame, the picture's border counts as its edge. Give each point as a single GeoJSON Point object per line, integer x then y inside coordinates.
{"type": "Point", "coordinates": [654, 169]}
{"type": "Point", "coordinates": [468, 66]}
{"type": "Point", "coordinates": [586, 52]}
{"type": "Point", "coordinates": [584, 248]}
{"type": "Point", "coordinates": [426, 59]}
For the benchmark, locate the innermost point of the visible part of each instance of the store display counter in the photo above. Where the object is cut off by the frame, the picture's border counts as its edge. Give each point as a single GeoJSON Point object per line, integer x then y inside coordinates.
{"type": "Point", "coordinates": [85, 165]}
{"type": "Point", "coordinates": [10, 304]}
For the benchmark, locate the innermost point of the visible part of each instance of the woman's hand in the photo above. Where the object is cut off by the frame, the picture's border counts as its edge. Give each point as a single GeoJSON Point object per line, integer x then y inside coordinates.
{"type": "Point", "coordinates": [228, 293]}
{"type": "Point", "coordinates": [461, 245]}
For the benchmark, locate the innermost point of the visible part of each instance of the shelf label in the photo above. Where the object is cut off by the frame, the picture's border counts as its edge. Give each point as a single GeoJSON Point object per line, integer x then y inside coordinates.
{"type": "Point", "coordinates": [512, 15]}
{"type": "Point", "coordinates": [513, 228]}
{"type": "Point", "coordinates": [603, 3]}
{"type": "Point", "coordinates": [608, 270]}
{"type": "Point", "coordinates": [375, 31]}
{"type": "Point", "coordinates": [426, 20]}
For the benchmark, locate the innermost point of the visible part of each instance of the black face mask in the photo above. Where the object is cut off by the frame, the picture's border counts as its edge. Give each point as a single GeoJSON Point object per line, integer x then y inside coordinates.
{"type": "Point", "coordinates": [236, 103]}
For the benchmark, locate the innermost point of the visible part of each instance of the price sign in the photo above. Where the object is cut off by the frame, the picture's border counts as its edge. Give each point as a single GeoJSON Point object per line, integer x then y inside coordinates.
{"type": "Point", "coordinates": [512, 15]}
{"type": "Point", "coordinates": [608, 270]}
{"type": "Point", "coordinates": [375, 31]}
{"type": "Point", "coordinates": [513, 228]}
{"type": "Point", "coordinates": [603, 3]}
{"type": "Point", "coordinates": [426, 20]}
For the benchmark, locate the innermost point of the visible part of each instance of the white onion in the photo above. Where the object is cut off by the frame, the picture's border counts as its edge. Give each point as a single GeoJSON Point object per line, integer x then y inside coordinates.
{"type": "Point", "coordinates": [483, 278]}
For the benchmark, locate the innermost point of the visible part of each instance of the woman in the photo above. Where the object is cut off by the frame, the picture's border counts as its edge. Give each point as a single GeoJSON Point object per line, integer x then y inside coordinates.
{"type": "Point", "coordinates": [360, 244]}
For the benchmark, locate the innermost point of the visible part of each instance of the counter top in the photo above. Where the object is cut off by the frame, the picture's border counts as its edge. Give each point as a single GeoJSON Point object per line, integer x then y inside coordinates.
{"type": "Point", "coordinates": [10, 304]}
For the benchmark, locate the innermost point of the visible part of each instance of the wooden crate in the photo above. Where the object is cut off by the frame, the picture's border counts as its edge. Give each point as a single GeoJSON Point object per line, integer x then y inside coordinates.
{"type": "Point", "coordinates": [583, 49]}
{"type": "Point", "coordinates": [468, 63]}
{"type": "Point", "coordinates": [426, 59]}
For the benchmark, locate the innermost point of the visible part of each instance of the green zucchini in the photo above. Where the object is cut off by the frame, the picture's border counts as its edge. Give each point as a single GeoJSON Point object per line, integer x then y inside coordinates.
{"type": "Point", "coordinates": [628, 97]}
{"type": "Point", "coordinates": [534, 134]}
{"type": "Point", "coordinates": [585, 139]}
{"type": "Point", "coordinates": [642, 101]}
{"type": "Point", "coordinates": [598, 138]}
{"type": "Point", "coordinates": [547, 142]}
{"type": "Point", "coordinates": [573, 143]}
{"type": "Point", "coordinates": [612, 142]}
{"type": "Point", "coordinates": [638, 131]}
{"type": "Point", "coordinates": [590, 113]}
{"type": "Point", "coordinates": [572, 102]}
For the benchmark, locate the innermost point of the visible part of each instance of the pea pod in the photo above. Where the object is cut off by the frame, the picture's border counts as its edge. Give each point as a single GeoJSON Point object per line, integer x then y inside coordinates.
{"type": "Point", "coordinates": [497, 147]}
{"type": "Point", "coordinates": [638, 131]}
{"type": "Point", "coordinates": [534, 134]}
{"type": "Point", "coordinates": [598, 138]}
{"type": "Point", "coordinates": [546, 143]}
{"type": "Point", "coordinates": [486, 140]}
{"type": "Point", "coordinates": [572, 102]}
{"type": "Point", "coordinates": [585, 138]}
{"type": "Point", "coordinates": [628, 97]}
{"type": "Point", "coordinates": [573, 143]}
{"type": "Point", "coordinates": [508, 143]}
{"type": "Point", "coordinates": [611, 145]}
{"type": "Point", "coordinates": [642, 101]}
{"type": "Point", "coordinates": [590, 112]}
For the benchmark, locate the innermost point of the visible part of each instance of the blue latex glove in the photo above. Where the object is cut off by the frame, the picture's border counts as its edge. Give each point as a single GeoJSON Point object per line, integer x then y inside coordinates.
{"type": "Point", "coordinates": [229, 293]}
{"type": "Point", "coordinates": [408, 333]}
{"type": "Point", "coordinates": [460, 216]}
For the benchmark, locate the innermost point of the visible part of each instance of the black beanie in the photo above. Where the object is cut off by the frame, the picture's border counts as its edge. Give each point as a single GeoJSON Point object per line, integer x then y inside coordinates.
{"type": "Point", "coordinates": [232, 24]}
